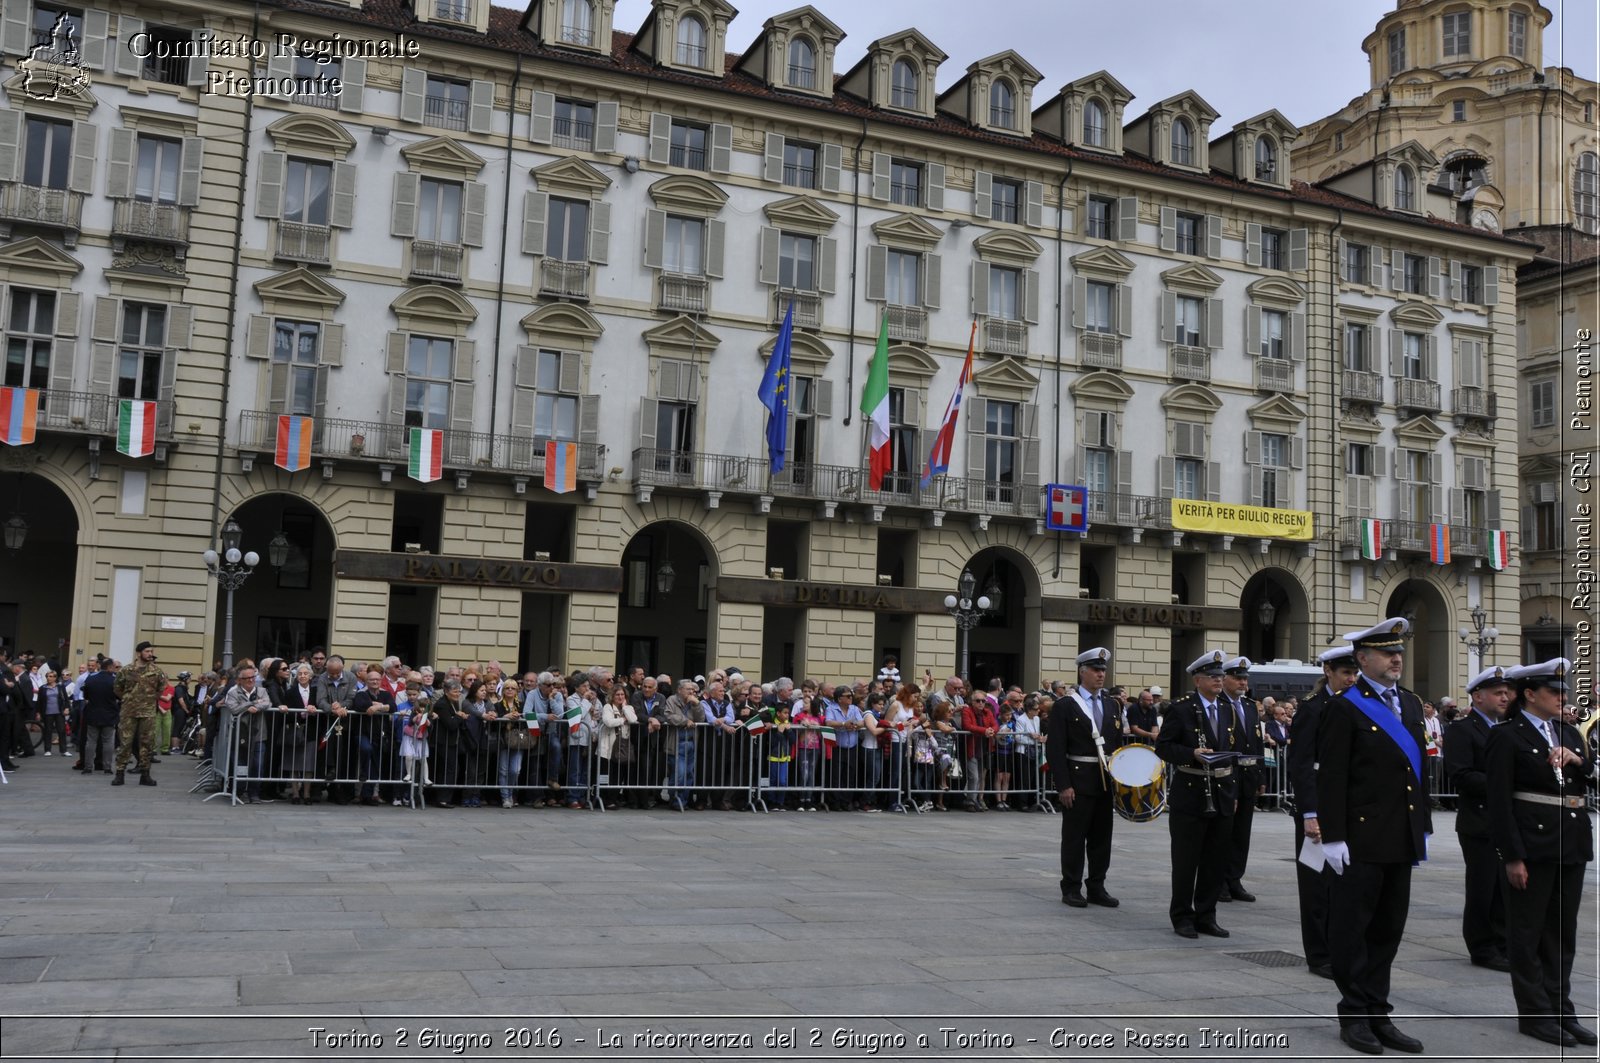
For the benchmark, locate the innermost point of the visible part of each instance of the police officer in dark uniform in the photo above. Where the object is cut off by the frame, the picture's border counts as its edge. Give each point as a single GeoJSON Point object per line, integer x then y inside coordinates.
{"type": "Point", "coordinates": [1466, 760]}
{"type": "Point", "coordinates": [1372, 805]}
{"type": "Point", "coordinates": [1200, 797]}
{"type": "Point", "coordinates": [1539, 770]}
{"type": "Point", "coordinates": [1338, 673]}
{"type": "Point", "coordinates": [1247, 769]}
{"type": "Point", "coordinates": [1085, 728]}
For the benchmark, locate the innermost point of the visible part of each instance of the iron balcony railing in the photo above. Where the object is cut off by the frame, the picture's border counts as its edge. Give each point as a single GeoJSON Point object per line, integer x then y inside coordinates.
{"type": "Point", "coordinates": [58, 208]}
{"type": "Point", "coordinates": [1004, 337]}
{"type": "Point", "coordinates": [683, 293]}
{"type": "Point", "coordinates": [688, 158]}
{"type": "Point", "coordinates": [1100, 350]}
{"type": "Point", "coordinates": [908, 323]}
{"type": "Point", "coordinates": [164, 223]}
{"type": "Point", "coordinates": [1274, 374]}
{"type": "Point", "coordinates": [807, 307]}
{"type": "Point", "coordinates": [446, 112]}
{"type": "Point", "coordinates": [1417, 395]}
{"type": "Point", "coordinates": [1473, 402]}
{"type": "Point", "coordinates": [91, 414]}
{"type": "Point", "coordinates": [436, 261]}
{"type": "Point", "coordinates": [579, 35]}
{"type": "Point", "coordinates": [1412, 537]}
{"type": "Point", "coordinates": [1128, 511]}
{"type": "Point", "coordinates": [1359, 385]}
{"type": "Point", "coordinates": [298, 242]}
{"type": "Point", "coordinates": [564, 280]}
{"type": "Point", "coordinates": [1191, 363]}
{"type": "Point", "coordinates": [800, 176]}
{"type": "Point", "coordinates": [570, 133]}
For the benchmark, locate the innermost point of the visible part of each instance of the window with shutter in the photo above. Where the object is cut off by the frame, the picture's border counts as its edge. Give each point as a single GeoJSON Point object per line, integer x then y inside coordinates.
{"type": "Point", "coordinates": [140, 350]}
{"type": "Point", "coordinates": [429, 368]}
{"type": "Point", "coordinates": [293, 366]}
{"type": "Point", "coordinates": [29, 329]}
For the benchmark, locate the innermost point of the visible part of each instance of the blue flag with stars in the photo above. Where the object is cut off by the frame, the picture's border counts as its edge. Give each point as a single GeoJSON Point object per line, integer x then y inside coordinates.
{"type": "Point", "coordinates": [774, 393]}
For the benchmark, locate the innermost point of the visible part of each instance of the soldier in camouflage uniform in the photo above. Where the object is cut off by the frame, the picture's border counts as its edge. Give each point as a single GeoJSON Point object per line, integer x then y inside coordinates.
{"type": "Point", "coordinates": [139, 685]}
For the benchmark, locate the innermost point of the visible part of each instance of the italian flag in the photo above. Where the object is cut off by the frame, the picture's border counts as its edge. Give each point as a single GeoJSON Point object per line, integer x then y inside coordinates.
{"type": "Point", "coordinates": [1044, 757]}
{"type": "Point", "coordinates": [1371, 539]}
{"type": "Point", "coordinates": [759, 722]}
{"type": "Point", "coordinates": [136, 428]}
{"type": "Point", "coordinates": [829, 741]}
{"type": "Point", "coordinates": [426, 462]}
{"type": "Point", "coordinates": [574, 718]}
{"type": "Point", "coordinates": [533, 724]}
{"type": "Point", "coordinates": [1499, 550]}
{"type": "Point", "coordinates": [875, 404]}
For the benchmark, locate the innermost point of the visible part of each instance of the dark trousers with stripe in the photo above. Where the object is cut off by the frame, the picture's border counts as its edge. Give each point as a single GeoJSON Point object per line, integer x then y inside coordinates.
{"type": "Point", "coordinates": [1200, 849]}
{"type": "Point", "coordinates": [1366, 917]}
{"type": "Point", "coordinates": [1483, 911]}
{"type": "Point", "coordinates": [1313, 887]}
{"type": "Point", "coordinates": [1541, 937]}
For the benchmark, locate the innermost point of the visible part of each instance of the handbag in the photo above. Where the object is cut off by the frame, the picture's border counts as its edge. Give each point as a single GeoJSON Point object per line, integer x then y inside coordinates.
{"type": "Point", "coordinates": [517, 736]}
{"type": "Point", "coordinates": [622, 748]}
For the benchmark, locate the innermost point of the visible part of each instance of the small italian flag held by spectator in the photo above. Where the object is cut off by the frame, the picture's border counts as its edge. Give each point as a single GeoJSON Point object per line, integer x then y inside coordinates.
{"type": "Point", "coordinates": [829, 740]}
{"type": "Point", "coordinates": [426, 463]}
{"type": "Point", "coordinates": [136, 428]}
{"type": "Point", "coordinates": [1499, 550]}
{"type": "Point", "coordinates": [1371, 539]}
{"type": "Point", "coordinates": [759, 722]}
{"type": "Point", "coordinates": [533, 724]}
{"type": "Point", "coordinates": [574, 718]}
{"type": "Point", "coordinates": [1044, 758]}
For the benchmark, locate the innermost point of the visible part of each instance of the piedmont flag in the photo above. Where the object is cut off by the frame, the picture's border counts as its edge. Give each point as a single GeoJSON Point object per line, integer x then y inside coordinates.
{"type": "Point", "coordinates": [1439, 544]}
{"type": "Point", "coordinates": [136, 428]}
{"type": "Point", "coordinates": [1499, 550]}
{"type": "Point", "coordinates": [293, 450]}
{"type": "Point", "coordinates": [875, 404]}
{"type": "Point", "coordinates": [774, 393]}
{"type": "Point", "coordinates": [425, 455]}
{"type": "Point", "coordinates": [939, 459]}
{"type": "Point", "coordinates": [1371, 539]}
{"type": "Point", "coordinates": [19, 415]}
{"type": "Point", "coordinates": [560, 466]}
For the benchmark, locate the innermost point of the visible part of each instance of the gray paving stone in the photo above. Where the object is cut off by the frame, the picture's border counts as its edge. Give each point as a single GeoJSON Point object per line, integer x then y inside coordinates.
{"type": "Point", "coordinates": [188, 964]}
{"type": "Point", "coordinates": [328, 990]}
{"type": "Point", "coordinates": [24, 968]}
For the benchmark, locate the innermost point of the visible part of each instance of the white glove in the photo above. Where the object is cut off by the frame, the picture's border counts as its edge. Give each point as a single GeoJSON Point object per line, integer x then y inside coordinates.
{"type": "Point", "coordinates": [1337, 854]}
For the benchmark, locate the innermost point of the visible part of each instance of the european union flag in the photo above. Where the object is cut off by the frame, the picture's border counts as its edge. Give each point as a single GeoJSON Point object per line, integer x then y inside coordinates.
{"type": "Point", "coordinates": [774, 393]}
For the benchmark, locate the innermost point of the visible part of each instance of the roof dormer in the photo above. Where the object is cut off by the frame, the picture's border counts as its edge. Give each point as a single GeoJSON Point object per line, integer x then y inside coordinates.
{"type": "Point", "coordinates": [898, 73]}
{"type": "Point", "coordinates": [1257, 150]}
{"type": "Point", "coordinates": [470, 15]}
{"type": "Point", "coordinates": [1174, 132]}
{"type": "Point", "coordinates": [996, 94]}
{"type": "Point", "coordinates": [1087, 113]}
{"type": "Point", "coordinates": [1402, 176]}
{"type": "Point", "coordinates": [794, 52]}
{"type": "Point", "coordinates": [688, 35]}
{"type": "Point", "coordinates": [582, 25]}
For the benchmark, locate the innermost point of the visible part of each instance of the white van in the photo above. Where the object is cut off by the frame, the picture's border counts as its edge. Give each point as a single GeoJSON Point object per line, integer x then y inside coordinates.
{"type": "Point", "coordinates": [1283, 678]}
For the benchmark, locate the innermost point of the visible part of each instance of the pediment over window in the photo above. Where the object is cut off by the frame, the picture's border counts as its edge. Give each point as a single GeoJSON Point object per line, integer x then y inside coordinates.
{"type": "Point", "coordinates": [804, 349]}
{"type": "Point", "coordinates": [872, 78]}
{"type": "Point", "coordinates": [1415, 314]}
{"type": "Point", "coordinates": [662, 38]}
{"type": "Point", "coordinates": [1414, 153]}
{"type": "Point", "coordinates": [572, 176]}
{"type": "Point", "coordinates": [1102, 262]}
{"type": "Point", "coordinates": [1100, 387]}
{"type": "Point", "coordinates": [1006, 379]}
{"type": "Point", "coordinates": [802, 213]}
{"type": "Point", "coordinates": [1191, 398]}
{"type": "Point", "coordinates": [1192, 278]}
{"type": "Point", "coordinates": [1063, 117]}
{"type": "Point", "coordinates": [971, 97]}
{"type": "Point", "coordinates": [682, 337]}
{"type": "Point", "coordinates": [1277, 292]}
{"type": "Point", "coordinates": [1276, 412]}
{"type": "Point", "coordinates": [311, 134]}
{"type": "Point", "coordinates": [582, 25]}
{"type": "Point", "coordinates": [63, 98]}
{"type": "Point", "coordinates": [693, 195]}
{"type": "Point", "coordinates": [913, 365]}
{"type": "Point", "coordinates": [907, 229]}
{"type": "Point", "coordinates": [298, 287]}
{"type": "Point", "coordinates": [565, 325]}
{"type": "Point", "coordinates": [160, 123]}
{"type": "Point", "coordinates": [1102, 84]}
{"type": "Point", "coordinates": [442, 157]}
{"type": "Point", "coordinates": [1419, 433]}
{"type": "Point", "coordinates": [32, 256]}
{"type": "Point", "coordinates": [1007, 247]}
{"type": "Point", "coordinates": [432, 304]}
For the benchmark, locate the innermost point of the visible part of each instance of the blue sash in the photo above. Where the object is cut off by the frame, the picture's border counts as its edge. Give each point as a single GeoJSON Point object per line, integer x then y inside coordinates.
{"type": "Point", "coordinates": [1380, 714]}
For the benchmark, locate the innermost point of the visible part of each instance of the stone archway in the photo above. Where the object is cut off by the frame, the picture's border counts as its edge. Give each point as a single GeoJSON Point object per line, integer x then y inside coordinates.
{"type": "Point", "coordinates": [36, 599]}
{"type": "Point", "coordinates": [1005, 644]}
{"type": "Point", "coordinates": [1430, 655]}
{"type": "Point", "coordinates": [1276, 618]}
{"type": "Point", "coordinates": [283, 609]}
{"type": "Point", "coordinates": [667, 614]}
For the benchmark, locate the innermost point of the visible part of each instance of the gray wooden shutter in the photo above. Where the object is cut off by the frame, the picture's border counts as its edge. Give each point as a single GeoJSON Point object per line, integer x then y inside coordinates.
{"type": "Point", "coordinates": [524, 399]}
{"type": "Point", "coordinates": [542, 118]}
{"type": "Point", "coordinates": [197, 64]}
{"type": "Point", "coordinates": [822, 397]}
{"type": "Point", "coordinates": [277, 387]}
{"type": "Point", "coordinates": [123, 61]}
{"type": "Point", "coordinates": [877, 273]}
{"type": "Point", "coordinates": [190, 160]}
{"type": "Point", "coordinates": [342, 212]}
{"type": "Point", "coordinates": [832, 167]}
{"type": "Point", "coordinates": [1435, 278]}
{"type": "Point", "coordinates": [1252, 244]}
{"type": "Point", "coordinates": [1169, 317]}
{"type": "Point", "coordinates": [769, 245]}
{"type": "Point", "coordinates": [1124, 472]}
{"type": "Point", "coordinates": [1252, 447]}
{"type": "Point", "coordinates": [269, 186]}
{"type": "Point", "coordinates": [1029, 431]}
{"type": "Point", "coordinates": [92, 50]}
{"type": "Point", "coordinates": [1252, 332]}
{"type": "Point", "coordinates": [119, 164]}
{"type": "Point", "coordinates": [660, 137]}
{"type": "Point", "coordinates": [1030, 296]}
{"type": "Point", "coordinates": [535, 208]}
{"type": "Point", "coordinates": [655, 238]}
{"type": "Point", "coordinates": [1033, 204]}
{"type": "Point", "coordinates": [649, 412]}
{"type": "Point", "coordinates": [461, 422]}
{"type": "Point", "coordinates": [975, 439]}
{"type": "Point", "coordinates": [332, 347]}
{"type": "Point", "coordinates": [827, 257]}
{"type": "Point", "coordinates": [1128, 219]}
{"type": "Point", "coordinates": [1491, 285]}
{"type": "Point", "coordinates": [1492, 508]}
{"type": "Point", "coordinates": [1455, 280]}
{"type": "Point", "coordinates": [413, 89]}
{"type": "Point", "coordinates": [1124, 310]}
{"type": "Point", "coordinates": [1430, 369]}
{"type": "Point", "coordinates": [353, 85]}
{"type": "Point", "coordinates": [721, 158]}
{"type": "Point", "coordinates": [930, 281]}
{"type": "Point", "coordinates": [80, 175]}
{"type": "Point", "coordinates": [1080, 301]}
{"type": "Point", "coordinates": [569, 373]}
{"type": "Point", "coordinates": [599, 232]}
{"type": "Point", "coordinates": [180, 326]}
{"type": "Point", "coordinates": [1213, 236]}
{"type": "Point", "coordinates": [1380, 460]}
{"type": "Point", "coordinates": [1297, 452]}
{"type": "Point", "coordinates": [403, 213]}
{"type": "Point", "coordinates": [605, 126]}
{"type": "Point", "coordinates": [1169, 229]}
{"type": "Point", "coordinates": [935, 194]}
{"type": "Point", "coordinates": [772, 159]}
{"type": "Point", "coordinates": [10, 144]}
{"type": "Point", "coordinates": [1257, 486]}
{"type": "Point", "coordinates": [1397, 365]}
{"type": "Point", "coordinates": [1213, 475]}
{"type": "Point", "coordinates": [63, 351]}
{"type": "Point", "coordinates": [980, 289]}
{"type": "Point", "coordinates": [474, 207]}
{"type": "Point", "coordinates": [1296, 340]}
{"type": "Point", "coordinates": [983, 195]}
{"type": "Point", "coordinates": [716, 239]}
{"type": "Point", "coordinates": [258, 337]}
{"type": "Point", "coordinates": [16, 29]}
{"type": "Point", "coordinates": [1166, 476]}
{"type": "Point", "coordinates": [588, 418]}
{"type": "Point", "coordinates": [280, 65]}
{"type": "Point", "coordinates": [1299, 249]}
{"type": "Point", "coordinates": [1397, 270]}
{"type": "Point", "coordinates": [1375, 275]}
{"type": "Point", "coordinates": [480, 113]}
{"type": "Point", "coordinates": [880, 177]}
{"type": "Point", "coordinates": [320, 403]}
{"type": "Point", "coordinates": [167, 390]}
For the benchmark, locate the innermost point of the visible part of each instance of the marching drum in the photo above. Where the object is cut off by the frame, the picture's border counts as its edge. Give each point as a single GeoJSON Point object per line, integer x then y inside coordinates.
{"type": "Point", "coordinates": [1138, 790]}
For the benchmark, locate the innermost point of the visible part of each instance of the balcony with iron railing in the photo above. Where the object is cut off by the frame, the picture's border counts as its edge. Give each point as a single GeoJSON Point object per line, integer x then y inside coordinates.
{"type": "Point", "coordinates": [446, 112]}
{"type": "Point", "coordinates": [1191, 363]}
{"type": "Point", "coordinates": [807, 307]}
{"type": "Point", "coordinates": [299, 242]}
{"type": "Point", "coordinates": [452, 10]}
{"type": "Point", "coordinates": [1127, 511]}
{"type": "Point", "coordinates": [1413, 537]}
{"type": "Point", "coordinates": [571, 133]}
{"type": "Point", "coordinates": [563, 280]}
{"type": "Point", "coordinates": [1417, 395]}
{"type": "Point", "coordinates": [386, 442]}
{"type": "Point", "coordinates": [683, 293]}
{"type": "Point", "coordinates": [1100, 350]}
{"type": "Point", "coordinates": [802, 77]}
{"type": "Point", "coordinates": [583, 36]}
{"type": "Point", "coordinates": [973, 495]}
{"type": "Point", "coordinates": [688, 158]}
{"type": "Point", "coordinates": [908, 323]}
{"type": "Point", "coordinates": [665, 467]}
{"type": "Point", "coordinates": [1274, 374]}
{"type": "Point", "coordinates": [162, 223]}
{"type": "Point", "coordinates": [800, 176]}
{"type": "Point", "coordinates": [54, 208]}
{"type": "Point", "coordinates": [1473, 402]}
{"type": "Point", "coordinates": [90, 414]}
{"type": "Point", "coordinates": [1358, 385]}
{"type": "Point", "coordinates": [1005, 338]}
{"type": "Point", "coordinates": [432, 260]}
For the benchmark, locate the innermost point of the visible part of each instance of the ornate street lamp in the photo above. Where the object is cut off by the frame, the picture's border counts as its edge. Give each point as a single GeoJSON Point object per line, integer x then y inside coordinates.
{"type": "Point", "coordinates": [967, 613]}
{"type": "Point", "coordinates": [230, 569]}
{"type": "Point", "coordinates": [278, 550]}
{"type": "Point", "coordinates": [16, 532]}
{"type": "Point", "coordinates": [1479, 637]}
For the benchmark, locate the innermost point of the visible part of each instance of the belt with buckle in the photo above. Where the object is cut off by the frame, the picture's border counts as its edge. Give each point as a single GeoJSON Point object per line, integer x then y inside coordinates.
{"type": "Point", "coordinates": [1247, 762]}
{"type": "Point", "coordinates": [1084, 760]}
{"type": "Point", "coordinates": [1215, 773]}
{"type": "Point", "coordinates": [1560, 801]}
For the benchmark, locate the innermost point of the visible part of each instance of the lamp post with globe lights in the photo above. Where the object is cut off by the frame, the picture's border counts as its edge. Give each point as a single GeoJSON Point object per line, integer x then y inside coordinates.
{"type": "Point", "coordinates": [1479, 637]}
{"type": "Point", "coordinates": [230, 569]}
{"type": "Point", "coordinates": [967, 613]}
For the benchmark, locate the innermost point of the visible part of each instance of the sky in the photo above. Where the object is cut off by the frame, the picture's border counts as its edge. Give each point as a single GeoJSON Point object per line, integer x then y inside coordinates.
{"type": "Point", "coordinates": [1242, 56]}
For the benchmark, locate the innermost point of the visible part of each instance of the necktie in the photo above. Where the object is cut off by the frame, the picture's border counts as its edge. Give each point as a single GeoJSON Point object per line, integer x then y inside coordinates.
{"type": "Point", "coordinates": [1211, 718]}
{"type": "Point", "coordinates": [1550, 733]}
{"type": "Point", "coordinates": [1097, 717]}
{"type": "Point", "coordinates": [1392, 699]}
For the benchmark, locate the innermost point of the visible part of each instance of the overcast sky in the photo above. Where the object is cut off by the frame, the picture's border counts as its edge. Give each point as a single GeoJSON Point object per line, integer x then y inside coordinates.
{"type": "Point", "coordinates": [1242, 56]}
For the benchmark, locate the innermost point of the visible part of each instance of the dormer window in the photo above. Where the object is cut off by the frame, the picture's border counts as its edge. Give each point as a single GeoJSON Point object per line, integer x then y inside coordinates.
{"type": "Point", "coordinates": [1266, 159]}
{"type": "Point", "coordinates": [1094, 124]}
{"type": "Point", "coordinates": [1182, 143]}
{"type": "Point", "coordinates": [1405, 189]}
{"type": "Point", "coordinates": [802, 63]}
{"type": "Point", "coordinates": [452, 10]}
{"type": "Point", "coordinates": [1002, 105]}
{"type": "Point", "coordinates": [691, 42]}
{"type": "Point", "coordinates": [577, 22]}
{"type": "Point", "coordinates": [903, 85]}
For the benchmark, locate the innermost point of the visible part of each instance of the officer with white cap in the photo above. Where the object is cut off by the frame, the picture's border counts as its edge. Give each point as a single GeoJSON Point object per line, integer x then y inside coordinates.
{"type": "Point", "coordinates": [1200, 797]}
{"type": "Point", "coordinates": [1372, 805]}
{"type": "Point", "coordinates": [1085, 729]}
{"type": "Point", "coordinates": [1338, 673]}
{"type": "Point", "coordinates": [1466, 763]}
{"type": "Point", "coordinates": [1247, 767]}
{"type": "Point", "coordinates": [1539, 773]}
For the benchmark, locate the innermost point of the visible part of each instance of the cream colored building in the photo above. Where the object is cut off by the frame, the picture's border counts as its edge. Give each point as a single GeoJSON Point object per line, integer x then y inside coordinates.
{"type": "Point", "coordinates": [541, 226]}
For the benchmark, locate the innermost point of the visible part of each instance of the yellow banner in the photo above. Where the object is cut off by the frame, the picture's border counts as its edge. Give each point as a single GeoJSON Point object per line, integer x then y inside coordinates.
{"type": "Point", "coordinates": [1258, 522]}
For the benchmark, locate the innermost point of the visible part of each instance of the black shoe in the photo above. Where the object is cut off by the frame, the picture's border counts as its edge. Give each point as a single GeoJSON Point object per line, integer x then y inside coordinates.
{"type": "Point", "coordinates": [145, 780]}
{"type": "Point", "coordinates": [1211, 929]}
{"type": "Point", "coordinates": [1103, 899]}
{"type": "Point", "coordinates": [1361, 1039]}
{"type": "Point", "coordinates": [1224, 897]}
{"type": "Point", "coordinates": [1322, 970]}
{"type": "Point", "coordinates": [1186, 930]}
{"type": "Point", "coordinates": [1494, 963]}
{"type": "Point", "coordinates": [1390, 1036]}
{"type": "Point", "coordinates": [1239, 893]}
{"type": "Point", "coordinates": [1577, 1029]}
{"type": "Point", "coordinates": [1548, 1032]}
{"type": "Point", "coordinates": [1074, 899]}
{"type": "Point", "coordinates": [117, 780]}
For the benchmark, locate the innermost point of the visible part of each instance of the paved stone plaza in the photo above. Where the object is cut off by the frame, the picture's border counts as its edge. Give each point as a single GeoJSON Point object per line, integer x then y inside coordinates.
{"type": "Point", "coordinates": [281, 918]}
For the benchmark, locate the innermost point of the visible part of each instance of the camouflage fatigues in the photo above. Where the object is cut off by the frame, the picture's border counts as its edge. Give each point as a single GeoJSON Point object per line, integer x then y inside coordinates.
{"type": "Point", "coordinates": [139, 685]}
